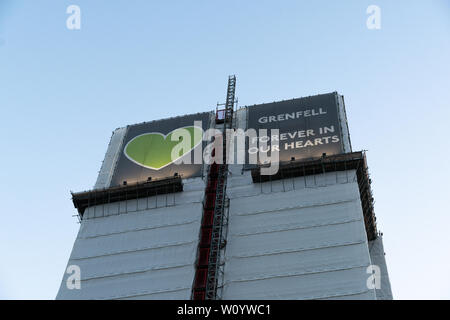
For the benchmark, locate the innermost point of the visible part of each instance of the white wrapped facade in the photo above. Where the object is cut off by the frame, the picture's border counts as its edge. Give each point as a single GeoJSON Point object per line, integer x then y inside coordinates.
{"type": "Point", "coordinates": [294, 238]}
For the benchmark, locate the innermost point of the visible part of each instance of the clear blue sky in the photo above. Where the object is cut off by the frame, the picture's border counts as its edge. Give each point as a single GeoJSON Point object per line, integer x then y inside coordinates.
{"type": "Point", "coordinates": [62, 93]}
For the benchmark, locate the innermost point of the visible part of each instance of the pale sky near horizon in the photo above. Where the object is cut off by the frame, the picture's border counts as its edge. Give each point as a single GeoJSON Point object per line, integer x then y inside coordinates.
{"type": "Point", "coordinates": [62, 92]}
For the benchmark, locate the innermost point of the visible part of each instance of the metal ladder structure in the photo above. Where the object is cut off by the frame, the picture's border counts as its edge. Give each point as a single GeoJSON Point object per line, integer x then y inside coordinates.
{"type": "Point", "coordinates": [212, 244]}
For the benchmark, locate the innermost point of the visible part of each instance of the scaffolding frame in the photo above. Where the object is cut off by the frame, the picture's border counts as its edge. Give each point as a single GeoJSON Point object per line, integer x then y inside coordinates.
{"type": "Point", "coordinates": [91, 198]}
{"type": "Point", "coordinates": [210, 267]}
{"type": "Point", "coordinates": [341, 162]}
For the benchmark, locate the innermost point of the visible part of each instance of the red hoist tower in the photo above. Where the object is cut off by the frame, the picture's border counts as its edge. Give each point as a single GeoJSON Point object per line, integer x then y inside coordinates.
{"type": "Point", "coordinates": [208, 280]}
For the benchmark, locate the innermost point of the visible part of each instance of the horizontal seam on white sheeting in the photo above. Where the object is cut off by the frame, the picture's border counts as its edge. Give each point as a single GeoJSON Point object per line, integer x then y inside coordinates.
{"type": "Point", "coordinates": [111, 253]}
{"type": "Point", "coordinates": [298, 274]}
{"type": "Point", "coordinates": [296, 207]}
{"type": "Point", "coordinates": [144, 293]}
{"type": "Point", "coordinates": [272, 230]}
{"type": "Point", "coordinates": [342, 294]}
{"type": "Point", "coordinates": [291, 250]}
{"type": "Point", "coordinates": [259, 192]}
{"type": "Point", "coordinates": [242, 181]}
{"type": "Point", "coordinates": [98, 235]}
{"type": "Point", "coordinates": [140, 270]}
{"type": "Point", "coordinates": [140, 211]}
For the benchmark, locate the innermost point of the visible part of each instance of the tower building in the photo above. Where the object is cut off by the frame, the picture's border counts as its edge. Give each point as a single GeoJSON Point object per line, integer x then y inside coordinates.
{"type": "Point", "coordinates": [283, 211]}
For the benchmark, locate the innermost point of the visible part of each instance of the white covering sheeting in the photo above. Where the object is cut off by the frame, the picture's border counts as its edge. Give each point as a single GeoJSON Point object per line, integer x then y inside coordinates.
{"type": "Point", "coordinates": [111, 156]}
{"type": "Point", "coordinates": [139, 253]}
{"type": "Point", "coordinates": [346, 142]}
{"type": "Point", "coordinates": [170, 295]}
{"type": "Point", "coordinates": [377, 255]}
{"type": "Point", "coordinates": [301, 238]}
{"type": "Point", "coordinates": [296, 238]}
{"type": "Point", "coordinates": [192, 193]}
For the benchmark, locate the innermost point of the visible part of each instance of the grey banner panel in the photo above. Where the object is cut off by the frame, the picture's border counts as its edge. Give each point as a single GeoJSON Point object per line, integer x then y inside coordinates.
{"type": "Point", "coordinates": [308, 127]}
{"type": "Point", "coordinates": [146, 149]}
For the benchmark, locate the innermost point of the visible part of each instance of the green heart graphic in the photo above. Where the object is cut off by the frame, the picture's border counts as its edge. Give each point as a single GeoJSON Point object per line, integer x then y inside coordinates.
{"type": "Point", "coordinates": [153, 150]}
